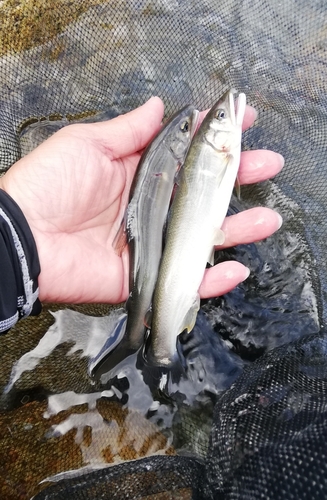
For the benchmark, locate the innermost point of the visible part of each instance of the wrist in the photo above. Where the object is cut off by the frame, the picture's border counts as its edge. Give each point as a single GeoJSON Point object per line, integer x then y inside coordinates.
{"type": "Point", "coordinates": [20, 264]}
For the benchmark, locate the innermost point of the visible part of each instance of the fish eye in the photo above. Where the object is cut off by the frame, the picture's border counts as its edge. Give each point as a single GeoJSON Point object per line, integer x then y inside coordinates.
{"type": "Point", "coordinates": [220, 114]}
{"type": "Point", "coordinates": [185, 126]}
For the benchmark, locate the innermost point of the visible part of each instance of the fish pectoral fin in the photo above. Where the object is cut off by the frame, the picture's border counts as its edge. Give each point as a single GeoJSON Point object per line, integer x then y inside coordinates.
{"type": "Point", "coordinates": [178, 174]}
{"type": "Point", "coordinates": [120, 240]}
{"type": "Point", "coordinates": [219, 238]}
{"type": "Point", "coordinates": [190, 317]}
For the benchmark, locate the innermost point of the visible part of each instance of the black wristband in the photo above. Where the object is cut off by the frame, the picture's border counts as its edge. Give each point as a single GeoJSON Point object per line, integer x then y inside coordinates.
{"type": "Point", "coordinates": [19, 264]}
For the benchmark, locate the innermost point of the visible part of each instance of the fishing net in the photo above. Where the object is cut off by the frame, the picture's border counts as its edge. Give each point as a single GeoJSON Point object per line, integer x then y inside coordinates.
{"type": "Point", "coordinates": [248, 420]}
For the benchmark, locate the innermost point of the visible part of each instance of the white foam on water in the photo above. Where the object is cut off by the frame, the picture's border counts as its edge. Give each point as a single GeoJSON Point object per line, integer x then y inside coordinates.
{"type": "Point", "coordinates": [88, 333]}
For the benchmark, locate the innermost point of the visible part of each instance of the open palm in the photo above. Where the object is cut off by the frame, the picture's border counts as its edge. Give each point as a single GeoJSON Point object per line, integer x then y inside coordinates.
{"type": "Point", "coordinates": [73, 190]}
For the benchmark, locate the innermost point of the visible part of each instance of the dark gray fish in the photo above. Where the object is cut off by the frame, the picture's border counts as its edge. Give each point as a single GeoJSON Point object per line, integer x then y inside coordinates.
{"type": "Point", "coordinates": [146, 214]}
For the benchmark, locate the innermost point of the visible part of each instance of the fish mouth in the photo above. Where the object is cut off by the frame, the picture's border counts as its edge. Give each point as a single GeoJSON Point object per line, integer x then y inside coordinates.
{"type": "Point", "coordinates": [236, 113]}
{"type": "Point", "coordinates": [194, 121]}
{"type": "Point", "coordinates": [231, 106]}
{"type": "Point", "coordinates": [240, 111]}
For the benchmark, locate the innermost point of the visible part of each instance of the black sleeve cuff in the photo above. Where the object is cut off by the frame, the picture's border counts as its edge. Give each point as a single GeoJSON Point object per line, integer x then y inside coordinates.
{"type": "Point", "coordinates": [19, 264]}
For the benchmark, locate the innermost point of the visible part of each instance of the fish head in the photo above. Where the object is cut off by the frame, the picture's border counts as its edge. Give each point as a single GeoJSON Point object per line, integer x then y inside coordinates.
{"type": "Point", "coordinates": [181, 131]}
{"type": "Point", "coordinates": [222, 126]}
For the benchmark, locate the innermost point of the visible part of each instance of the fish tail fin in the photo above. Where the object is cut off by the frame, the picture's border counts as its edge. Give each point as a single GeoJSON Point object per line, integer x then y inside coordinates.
{"type": "Point", "coordinates": [115, 337]}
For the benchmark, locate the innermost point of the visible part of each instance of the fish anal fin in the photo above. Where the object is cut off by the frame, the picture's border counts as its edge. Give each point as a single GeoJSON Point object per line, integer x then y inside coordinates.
{"type": "Point", "coordinates": [190, 317]}
{"type": "Point", "coordinates": [218, 239]}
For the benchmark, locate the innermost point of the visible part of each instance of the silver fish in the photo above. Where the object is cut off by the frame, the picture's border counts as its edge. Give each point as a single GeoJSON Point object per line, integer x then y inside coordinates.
{"type": "Point", "coordinates": [149, 201]}
{"type": "Point", "coordinates": [198, 211]}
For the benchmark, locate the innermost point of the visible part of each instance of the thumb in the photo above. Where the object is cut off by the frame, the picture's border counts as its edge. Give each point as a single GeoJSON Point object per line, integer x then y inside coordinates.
{"type": "Point", "coordinates": [131, 132]}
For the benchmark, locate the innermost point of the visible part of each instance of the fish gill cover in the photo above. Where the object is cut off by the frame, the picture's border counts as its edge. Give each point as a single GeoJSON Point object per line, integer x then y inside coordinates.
{"type": "Point", "coordinates": [257, 355]}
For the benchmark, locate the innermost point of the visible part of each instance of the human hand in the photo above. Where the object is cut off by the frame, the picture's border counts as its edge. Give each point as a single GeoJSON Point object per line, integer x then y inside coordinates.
{"type": "Point", "coordinates": [73, 190]}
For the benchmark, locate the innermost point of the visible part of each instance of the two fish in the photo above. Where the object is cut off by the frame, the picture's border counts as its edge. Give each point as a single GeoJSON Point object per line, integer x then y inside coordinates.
{"type": "Point", "coordinates": [149, 201]}
{"type": "Point", "coordinates": [170, 279]}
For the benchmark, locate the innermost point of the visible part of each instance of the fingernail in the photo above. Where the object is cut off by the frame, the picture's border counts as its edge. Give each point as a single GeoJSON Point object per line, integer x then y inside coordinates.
{"type": "Point", "coordinates": [246, 273]}
{"type": "Point", "coordinates": [281, 159]}
{"type": "Point", "coordinates": [254, 111]}
{"type": "Point", "coordinates": [280, 220]}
